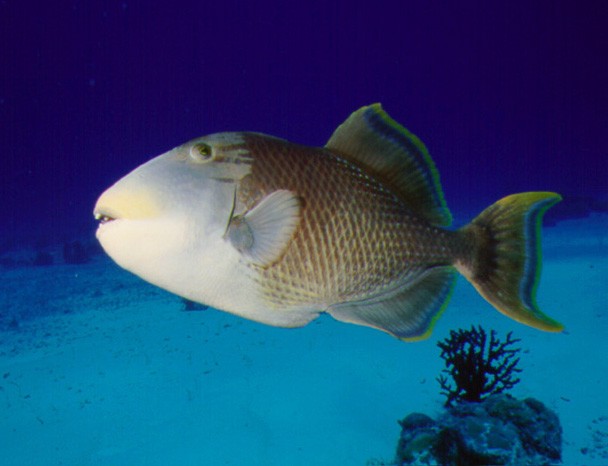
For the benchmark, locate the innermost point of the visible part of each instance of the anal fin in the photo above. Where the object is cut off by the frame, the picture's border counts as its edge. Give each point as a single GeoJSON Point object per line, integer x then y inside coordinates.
{"type": "Point", "coordinates": [407, 312]}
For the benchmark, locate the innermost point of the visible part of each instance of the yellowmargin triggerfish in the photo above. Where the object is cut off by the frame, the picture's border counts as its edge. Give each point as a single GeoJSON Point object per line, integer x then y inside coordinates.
{"type": "Point", "coordinates": [279, 232]}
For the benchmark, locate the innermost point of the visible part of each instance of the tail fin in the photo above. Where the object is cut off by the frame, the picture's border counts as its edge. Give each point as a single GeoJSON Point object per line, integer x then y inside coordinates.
{"type": "Point", "coordinates": [504, 260]}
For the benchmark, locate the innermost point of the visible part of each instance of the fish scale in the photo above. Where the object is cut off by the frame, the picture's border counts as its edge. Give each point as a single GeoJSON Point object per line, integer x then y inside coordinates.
{"type": "Point", "coordinates": [353, 240]}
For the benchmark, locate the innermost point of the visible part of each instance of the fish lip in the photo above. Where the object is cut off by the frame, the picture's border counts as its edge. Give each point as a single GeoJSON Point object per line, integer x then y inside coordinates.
{"type": "Point", "coordinates": [103, 219]}
{"type": "Point", "coordinates": [104, 216]}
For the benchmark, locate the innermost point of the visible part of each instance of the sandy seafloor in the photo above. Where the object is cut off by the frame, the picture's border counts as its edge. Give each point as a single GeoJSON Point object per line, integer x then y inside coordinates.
{"type": "Point", "coordinates": [98, 367]}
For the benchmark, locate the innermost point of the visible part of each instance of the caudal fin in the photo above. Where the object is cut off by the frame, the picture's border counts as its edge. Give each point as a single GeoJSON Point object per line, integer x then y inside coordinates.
{"type": "Point", "coordinates": [503, 258]}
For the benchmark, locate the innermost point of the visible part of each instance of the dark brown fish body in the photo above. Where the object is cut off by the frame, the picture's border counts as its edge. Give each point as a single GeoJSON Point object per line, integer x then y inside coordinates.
{"type": "Point", "coordinates": [355, 238]}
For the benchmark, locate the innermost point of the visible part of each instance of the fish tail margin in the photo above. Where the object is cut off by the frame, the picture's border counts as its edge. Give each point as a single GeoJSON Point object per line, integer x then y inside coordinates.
{"type": "Point", "coordinates": [502, 257]}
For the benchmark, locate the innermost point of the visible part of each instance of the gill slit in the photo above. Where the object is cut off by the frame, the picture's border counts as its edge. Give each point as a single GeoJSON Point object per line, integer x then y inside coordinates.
{"type": "Point", "coordinates": [231, 213]}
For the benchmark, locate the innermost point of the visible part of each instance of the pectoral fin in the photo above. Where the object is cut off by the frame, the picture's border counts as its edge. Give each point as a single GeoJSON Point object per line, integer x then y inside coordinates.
{"type": "Point", "coordinates": [263, 233]}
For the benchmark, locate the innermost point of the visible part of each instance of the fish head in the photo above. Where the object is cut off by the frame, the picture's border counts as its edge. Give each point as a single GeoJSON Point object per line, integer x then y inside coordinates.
{"type": "Point", "coordinates": [173, 210]}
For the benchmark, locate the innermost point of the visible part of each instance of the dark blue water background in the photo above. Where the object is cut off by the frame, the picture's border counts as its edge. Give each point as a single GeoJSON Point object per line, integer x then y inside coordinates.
{"type": "Point", "coordinates": [508, 96]}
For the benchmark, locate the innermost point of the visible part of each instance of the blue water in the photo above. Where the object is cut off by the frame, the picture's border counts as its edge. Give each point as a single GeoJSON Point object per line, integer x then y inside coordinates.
{"type": "Point", "coordinates": [100, 368]}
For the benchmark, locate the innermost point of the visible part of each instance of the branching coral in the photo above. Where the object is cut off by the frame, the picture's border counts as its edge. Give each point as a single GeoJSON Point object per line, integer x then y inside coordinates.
{"type": "Point", "coordinates": [478, 367]}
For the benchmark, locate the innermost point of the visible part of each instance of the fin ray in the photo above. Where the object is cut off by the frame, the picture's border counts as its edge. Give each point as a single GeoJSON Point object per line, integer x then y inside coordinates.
{"type": "Point", "coordinates": [408, 312]}
{"type": "Point", "coordinates": [506, 261]}
{"type": "Point", "coordinates": [370, 137]}
{"type": "Point", "coordinates": [263, 233]}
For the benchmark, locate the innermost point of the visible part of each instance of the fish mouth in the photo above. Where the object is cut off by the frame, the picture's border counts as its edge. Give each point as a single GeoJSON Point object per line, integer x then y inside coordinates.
{"type": "Point", "coordinates": [104, 217]}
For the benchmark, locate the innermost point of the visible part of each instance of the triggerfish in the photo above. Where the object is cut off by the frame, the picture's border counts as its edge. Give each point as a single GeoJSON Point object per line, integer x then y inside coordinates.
{"type": "Point", "coordinates": [279, 232]}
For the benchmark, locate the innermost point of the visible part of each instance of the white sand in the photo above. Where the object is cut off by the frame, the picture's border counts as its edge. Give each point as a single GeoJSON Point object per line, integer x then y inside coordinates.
{"type": "Point", "coordinates": [117, 374]}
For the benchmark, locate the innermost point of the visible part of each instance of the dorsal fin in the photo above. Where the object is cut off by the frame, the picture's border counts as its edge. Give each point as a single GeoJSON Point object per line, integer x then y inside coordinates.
{"type": "Point", "coordinates": [372, 139]}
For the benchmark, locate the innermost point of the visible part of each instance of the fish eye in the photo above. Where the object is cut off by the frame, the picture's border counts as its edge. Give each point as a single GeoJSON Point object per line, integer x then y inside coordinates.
{"type": "Point", "coordinates": [201, 152]}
